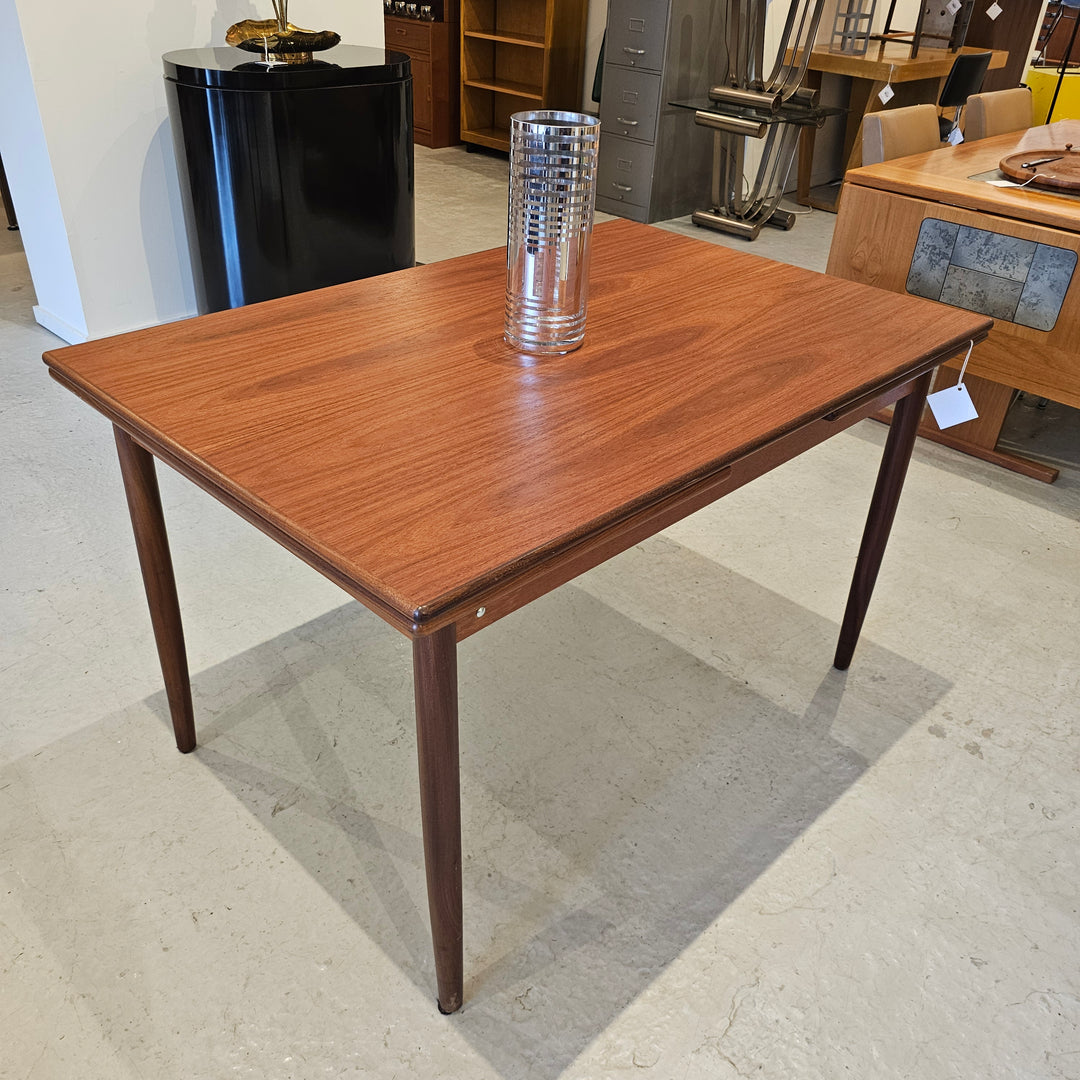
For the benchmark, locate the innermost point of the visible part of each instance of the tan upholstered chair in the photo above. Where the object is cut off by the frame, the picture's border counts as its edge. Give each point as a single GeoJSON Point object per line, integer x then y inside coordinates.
{"type": "Point", "coordinates": [997, 112]}
{"type": "Point", "coordinates": [898, 132]}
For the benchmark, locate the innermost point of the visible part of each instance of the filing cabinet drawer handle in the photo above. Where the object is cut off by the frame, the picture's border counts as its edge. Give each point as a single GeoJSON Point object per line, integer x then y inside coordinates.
{"type": "Point", "coordinates": [628, 123]}
{"type": "Point", "coordinates": [621, 187]}
{"type": "Point", "coordinates": [633, 52]}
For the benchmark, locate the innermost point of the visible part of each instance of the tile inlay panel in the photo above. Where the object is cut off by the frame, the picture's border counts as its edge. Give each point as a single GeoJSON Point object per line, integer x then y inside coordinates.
{"type": "Point", "coordinates": [1015, 280]}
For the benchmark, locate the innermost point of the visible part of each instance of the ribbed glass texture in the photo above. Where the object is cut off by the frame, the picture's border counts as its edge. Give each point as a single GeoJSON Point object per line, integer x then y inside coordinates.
{"type": "Point", "coordinates": [549, 228]}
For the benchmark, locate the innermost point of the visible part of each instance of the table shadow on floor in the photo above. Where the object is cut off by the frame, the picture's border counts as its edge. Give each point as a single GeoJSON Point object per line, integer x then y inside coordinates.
{"type": "Point", "coordinates": [621, 785]}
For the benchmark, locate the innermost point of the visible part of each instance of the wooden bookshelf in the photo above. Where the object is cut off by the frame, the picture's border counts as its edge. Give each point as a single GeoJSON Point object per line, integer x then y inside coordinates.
{"type": "Point", "coordinates": [517, 56]}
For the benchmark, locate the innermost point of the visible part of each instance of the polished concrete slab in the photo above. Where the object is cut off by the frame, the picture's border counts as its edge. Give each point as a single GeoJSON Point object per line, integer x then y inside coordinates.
{"type": "Point", "coordinates": [692, 849]}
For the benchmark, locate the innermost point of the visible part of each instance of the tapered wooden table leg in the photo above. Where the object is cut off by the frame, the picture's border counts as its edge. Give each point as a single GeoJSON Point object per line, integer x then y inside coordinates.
{"type": "Point", "coordinates": [152, 544]}
{"type": "Point", "coordinates": [890, 482]}
{"type": "Point", "coordinates": [435, 686]}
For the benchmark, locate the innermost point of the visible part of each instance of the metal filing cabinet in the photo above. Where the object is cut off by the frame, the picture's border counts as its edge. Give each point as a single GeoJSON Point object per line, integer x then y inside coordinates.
{"type": "Point", "coordinates": [655, 163]}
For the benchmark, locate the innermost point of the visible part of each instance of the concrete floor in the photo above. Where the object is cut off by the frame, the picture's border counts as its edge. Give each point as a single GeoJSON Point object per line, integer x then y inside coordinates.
{"type": "Point", "coordinates": [692, 848]}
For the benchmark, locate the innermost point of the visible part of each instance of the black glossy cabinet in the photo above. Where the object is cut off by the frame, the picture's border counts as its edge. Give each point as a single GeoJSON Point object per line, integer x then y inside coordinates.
{"type": "Point", "coordinates": [293, 177]}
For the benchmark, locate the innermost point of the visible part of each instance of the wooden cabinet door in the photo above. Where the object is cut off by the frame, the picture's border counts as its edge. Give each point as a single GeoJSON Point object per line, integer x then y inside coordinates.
{"type": "Point", "coordinates": [421, 73]}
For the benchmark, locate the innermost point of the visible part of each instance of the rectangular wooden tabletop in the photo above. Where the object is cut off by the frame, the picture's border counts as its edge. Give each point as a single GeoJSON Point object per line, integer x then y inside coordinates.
{"type": "Point", "coordinates": [383, 429]}
{"type": "Point", "coordinates": [944, 176]}
{"type": "Point", "coordinates": [891, 61]}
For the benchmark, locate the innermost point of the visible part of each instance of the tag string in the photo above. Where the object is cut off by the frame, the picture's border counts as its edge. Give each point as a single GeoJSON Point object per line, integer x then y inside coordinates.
{"type": "Point", "coordinates": [963, 367]}
{"type": "Point", "coordinates": [1026, 182]}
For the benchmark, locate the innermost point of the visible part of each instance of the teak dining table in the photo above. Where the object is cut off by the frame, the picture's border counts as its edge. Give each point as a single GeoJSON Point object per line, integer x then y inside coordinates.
{"type": "Point", "coordinates": [384, 433]}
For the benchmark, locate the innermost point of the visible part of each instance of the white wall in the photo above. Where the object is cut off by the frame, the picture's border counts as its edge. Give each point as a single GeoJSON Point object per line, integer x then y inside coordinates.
{"type": "Point", "coordinates": [84, 134]}
{"type": "Point", "coordinates": [26, 162]}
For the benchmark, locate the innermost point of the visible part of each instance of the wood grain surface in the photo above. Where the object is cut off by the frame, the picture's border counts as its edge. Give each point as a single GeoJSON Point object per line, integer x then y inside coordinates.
{"type": "Point", "coordinates": [944, 176]}
{"type": "Point", "coordinates": [383, 430]}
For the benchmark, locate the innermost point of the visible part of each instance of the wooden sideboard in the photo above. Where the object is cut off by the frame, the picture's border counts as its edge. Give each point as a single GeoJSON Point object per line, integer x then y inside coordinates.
{"type": "Point", "coordinates": [1007, 232]}
{"type": "Point", "coordinates": [435, 52]}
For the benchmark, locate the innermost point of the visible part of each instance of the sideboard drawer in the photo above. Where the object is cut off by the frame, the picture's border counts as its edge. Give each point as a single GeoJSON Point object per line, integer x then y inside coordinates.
{"type": "Point", "coordinates": [408, 35]}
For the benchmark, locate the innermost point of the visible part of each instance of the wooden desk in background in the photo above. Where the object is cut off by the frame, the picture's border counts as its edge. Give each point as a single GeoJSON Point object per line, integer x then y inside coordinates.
{"type": "Point", "coordinates": [384, 433]}
{"type": "Point", "coordinates": [913, 81]}
{"type": "Point", "coordinates": [878, 226]}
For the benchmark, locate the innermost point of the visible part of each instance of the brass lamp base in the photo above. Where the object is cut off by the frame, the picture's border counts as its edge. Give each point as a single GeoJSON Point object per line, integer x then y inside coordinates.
{"type": "Point", "coordinates": [292, 45]}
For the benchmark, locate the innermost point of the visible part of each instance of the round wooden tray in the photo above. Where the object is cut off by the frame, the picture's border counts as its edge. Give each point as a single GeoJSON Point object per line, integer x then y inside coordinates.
{"type": "Point", "coordinates": [1045, 168]}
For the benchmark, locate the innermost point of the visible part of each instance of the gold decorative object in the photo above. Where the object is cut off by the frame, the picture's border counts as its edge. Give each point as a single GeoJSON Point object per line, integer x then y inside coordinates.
{"type": "Point", "coordinates": [278, 39]}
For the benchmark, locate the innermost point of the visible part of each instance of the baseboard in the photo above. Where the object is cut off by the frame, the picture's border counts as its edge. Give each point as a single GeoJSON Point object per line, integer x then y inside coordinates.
{"type": "Point", "coordinates": [55, 325]}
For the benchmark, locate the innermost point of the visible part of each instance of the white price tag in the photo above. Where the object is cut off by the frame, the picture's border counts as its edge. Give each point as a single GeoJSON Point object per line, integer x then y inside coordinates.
{"type": "Point", "coordinates": [994, 10]}
{"type": "Point", "coordinates": [953, 6]}
{"type": "Point", "coordinates": [952, 406]}
{"type": "Point", "coordinates": [956, 136]}
{"type": "Point", "coordinates": [886, 94]}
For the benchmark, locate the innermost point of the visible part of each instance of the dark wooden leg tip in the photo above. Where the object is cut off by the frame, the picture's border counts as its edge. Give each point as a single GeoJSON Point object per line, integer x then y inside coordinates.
{"type": "Point", "coordinates": [455, 1004]}
{"type": "Point", "coordinates": [184, 725]}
